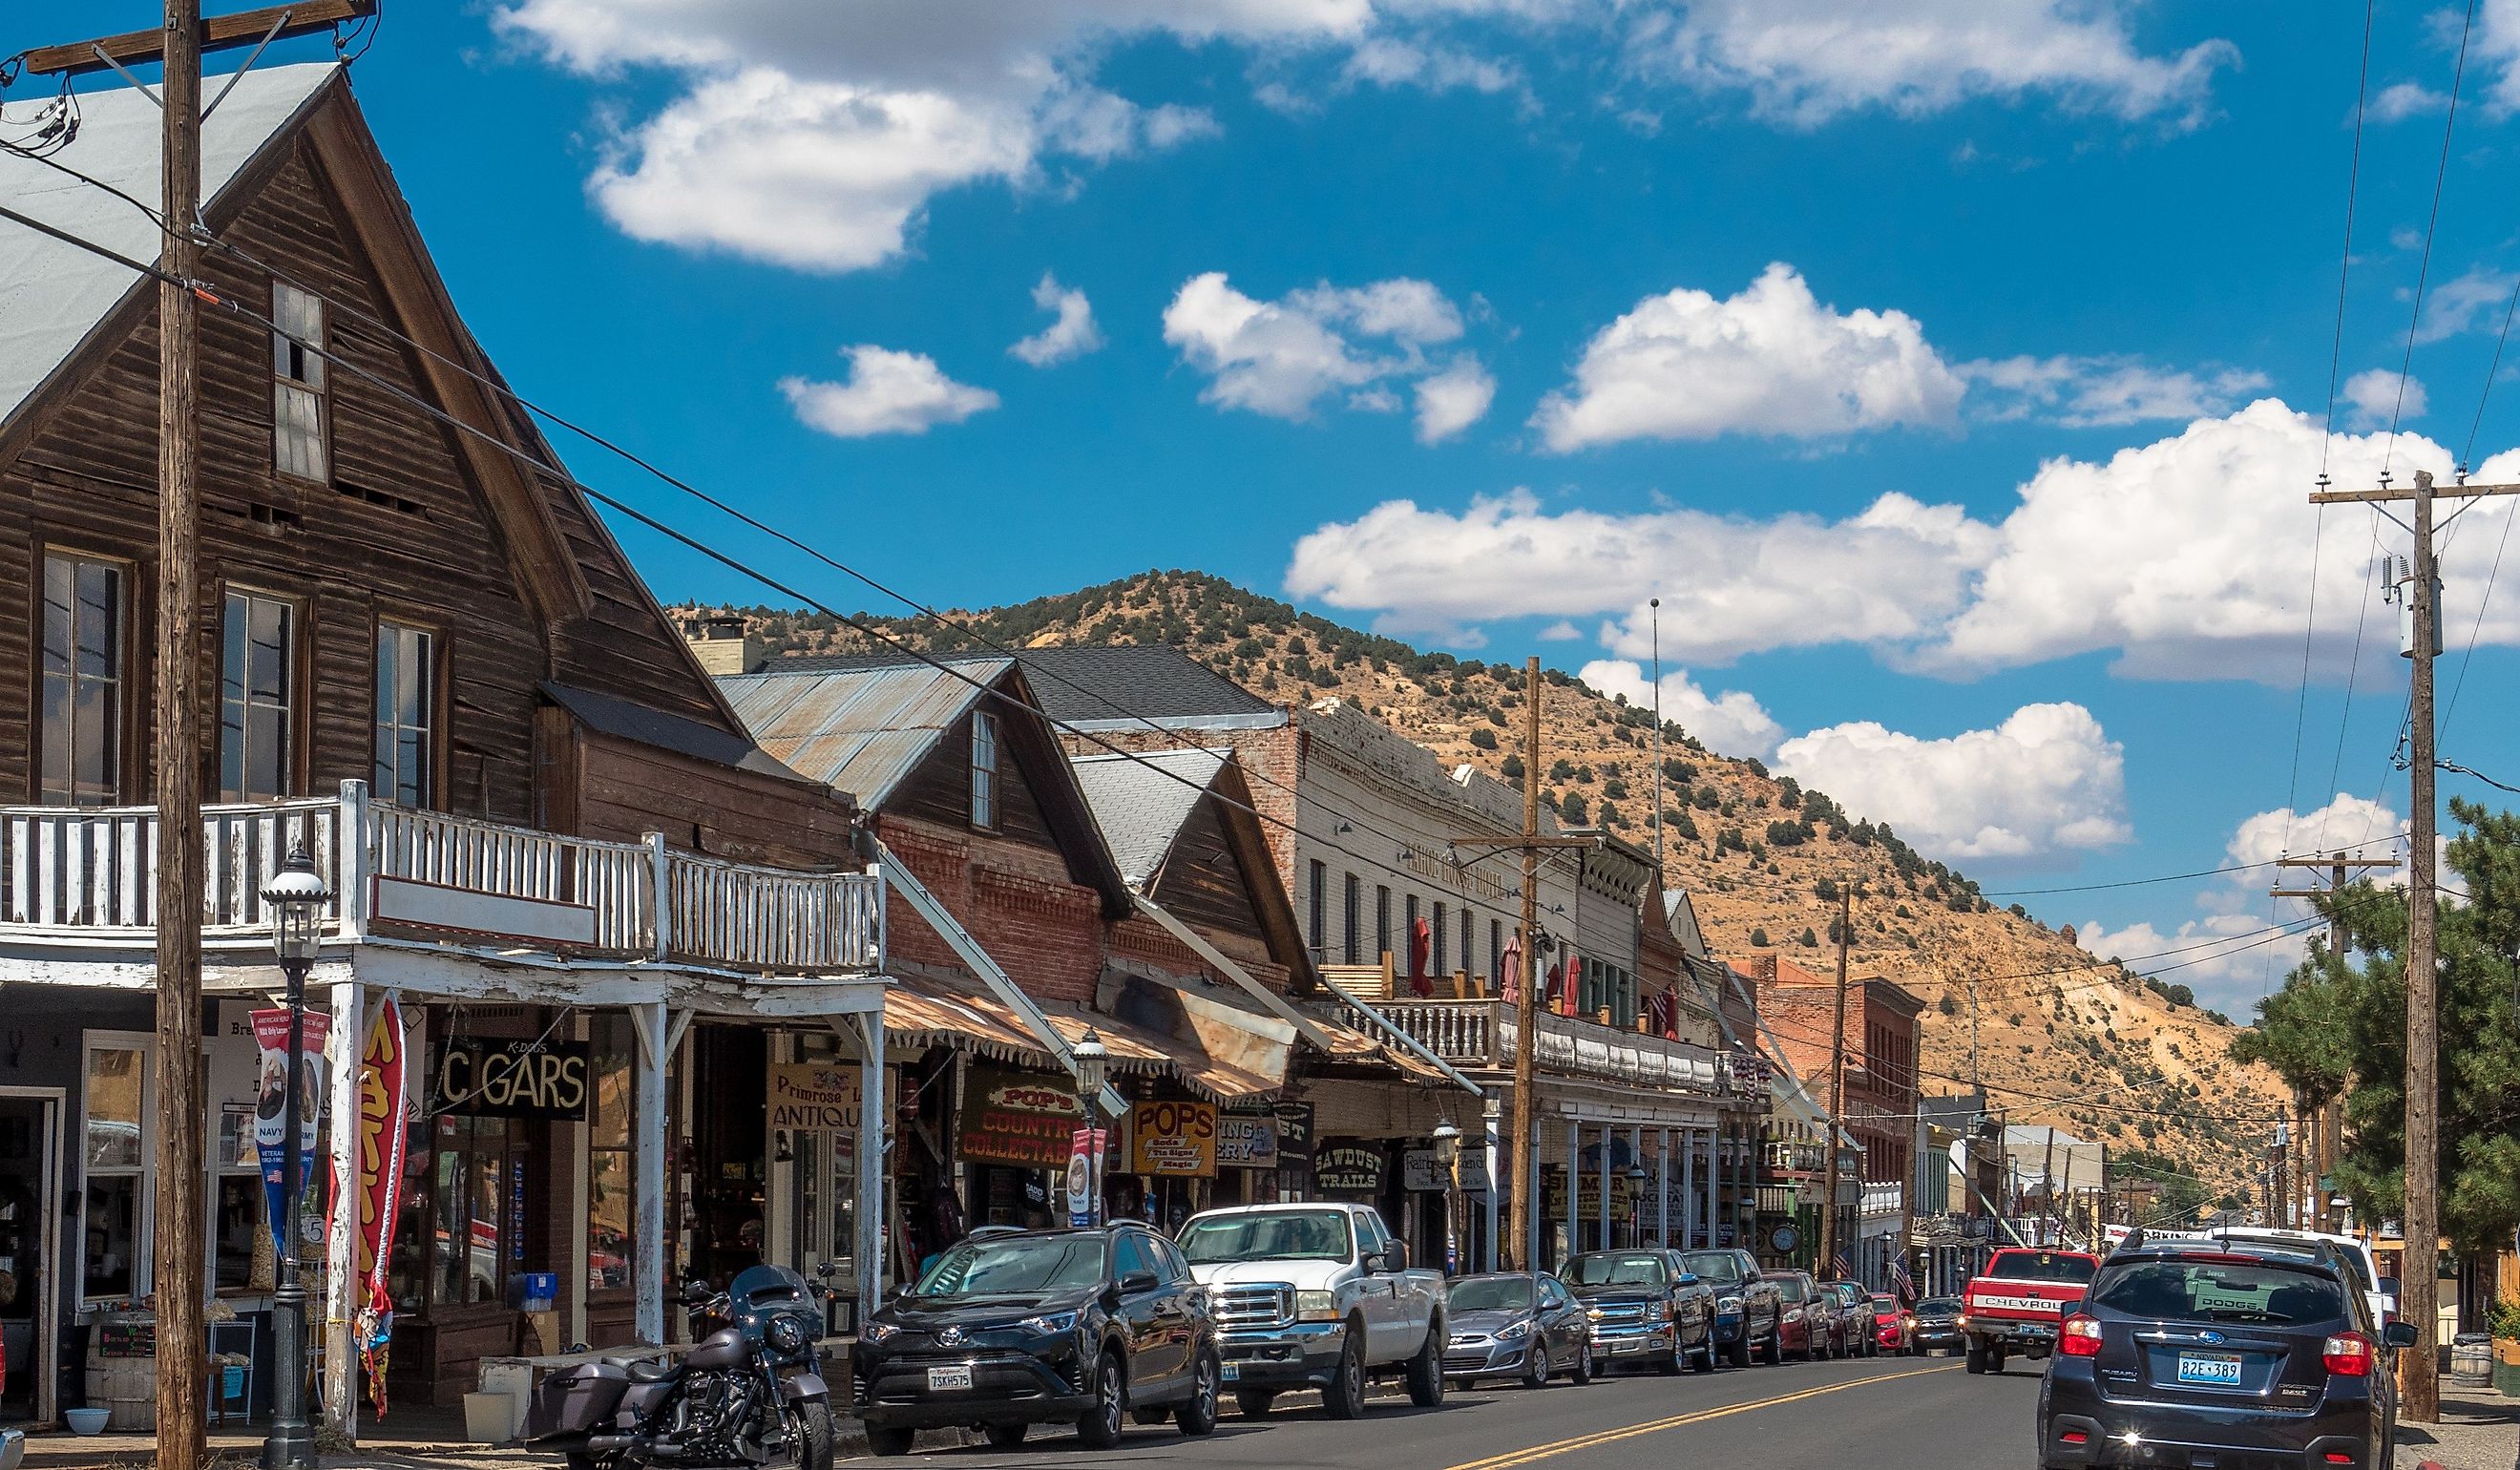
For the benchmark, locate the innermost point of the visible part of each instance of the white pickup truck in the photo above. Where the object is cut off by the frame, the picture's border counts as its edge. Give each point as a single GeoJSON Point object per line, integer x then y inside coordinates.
{"type": "Point", "coordinates": [1316, 1296]}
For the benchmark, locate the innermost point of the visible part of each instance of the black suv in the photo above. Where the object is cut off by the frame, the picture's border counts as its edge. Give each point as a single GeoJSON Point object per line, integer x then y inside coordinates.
{"type": "Point", "coordinates": [1012, 1329]}
{"type": "Point", "coordinates": [1746, 1309]}
{"type": "Point", "coordinates": [2195, 1351]}
{"type": "Point", "coordinates": [1645, 1309]}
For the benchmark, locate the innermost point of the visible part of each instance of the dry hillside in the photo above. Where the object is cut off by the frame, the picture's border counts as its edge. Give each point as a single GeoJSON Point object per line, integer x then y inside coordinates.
{"type": "Point", "coordinates": [2060, 1035]}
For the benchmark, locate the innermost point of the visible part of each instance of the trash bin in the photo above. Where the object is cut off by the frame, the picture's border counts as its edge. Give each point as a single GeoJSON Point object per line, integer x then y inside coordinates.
{"type": "Point", "coordinates": [122, 1370]}
{"type": "Point", "coordinates": [2471, 1359]}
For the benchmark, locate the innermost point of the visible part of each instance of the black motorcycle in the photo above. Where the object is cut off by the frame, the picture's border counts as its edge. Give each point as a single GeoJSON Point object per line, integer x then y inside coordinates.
{"type": "Point", "coordinates": [751, 1394]}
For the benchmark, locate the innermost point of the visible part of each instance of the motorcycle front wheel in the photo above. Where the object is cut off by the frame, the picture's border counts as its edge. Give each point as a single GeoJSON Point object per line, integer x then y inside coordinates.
{"type": "Point", "coordinates": [815, 1434]}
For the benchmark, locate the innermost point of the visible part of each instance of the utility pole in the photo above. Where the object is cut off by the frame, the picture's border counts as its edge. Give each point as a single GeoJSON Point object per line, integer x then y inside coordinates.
{"type": "Point", "coordinates": [1836, 1088]}
{"type": "Point", "coordinates": [183, 1370]}
{"type": "Point", "coordinates": [1522, 1217]}
{"type": "Point", "coordinates": [1654, 606]}
{"type": "Point", "coordinates": [2320, 1117]}
{"type": "Point", "coordinates": [175, 1162]}
{"type": "Point", "coordinates": [2421, 1401]}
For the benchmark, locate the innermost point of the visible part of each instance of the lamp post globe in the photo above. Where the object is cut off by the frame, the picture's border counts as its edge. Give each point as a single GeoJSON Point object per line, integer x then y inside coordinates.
{"type": "Point", "coordinates": [295, 895]}
{"type": "Point", "coordinates": [1448, 1144]}
{"type": "Point", "coordinates": [1093, 1073]}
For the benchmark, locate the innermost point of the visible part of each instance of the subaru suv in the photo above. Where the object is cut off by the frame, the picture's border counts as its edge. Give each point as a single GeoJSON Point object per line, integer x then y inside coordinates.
{"type": "Point", "coordinates": [2212, 1353]}
{"type": "Point", "coordinates": [1016, 1328]}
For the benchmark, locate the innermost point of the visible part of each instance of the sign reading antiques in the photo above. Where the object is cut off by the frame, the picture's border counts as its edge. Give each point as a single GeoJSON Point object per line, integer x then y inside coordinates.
{"type": "Point", "coordinates": [480, 1077]}
{"type": "Point", "coordinates": [814, 1096]}
{"type": "Point", "coordinates": [1172, 1139]}
{"type": "Point", "coordinates": [1022, 1118]}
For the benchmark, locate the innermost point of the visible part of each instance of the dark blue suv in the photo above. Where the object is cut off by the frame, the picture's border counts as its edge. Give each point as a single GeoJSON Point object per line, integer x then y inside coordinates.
{"type": "Point", "coordinates": [2221, 1355]}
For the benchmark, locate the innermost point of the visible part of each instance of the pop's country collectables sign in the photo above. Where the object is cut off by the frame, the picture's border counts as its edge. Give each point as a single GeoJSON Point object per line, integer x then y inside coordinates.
{"type": "Point", "coordinates": [1021, 1118]}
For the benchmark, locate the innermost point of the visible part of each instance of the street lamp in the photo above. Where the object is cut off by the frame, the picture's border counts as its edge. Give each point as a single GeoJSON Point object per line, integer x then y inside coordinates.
{"type": "Point", "coordinates": [1635, 1202]}
{"type": "Point", "coordinates": [1448, 1159]}
{"type": "Point", "coordinates": [297, 895]}
{"type": "Point", "coordinates": [1093, 1072]}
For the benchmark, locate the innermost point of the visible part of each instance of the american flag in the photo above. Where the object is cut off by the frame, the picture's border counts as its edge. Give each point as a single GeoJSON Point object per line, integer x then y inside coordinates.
{"type": "Point", "coordinates": [1905, 1284]}
{"type": "Point", "coordinates": [1839, 1268]}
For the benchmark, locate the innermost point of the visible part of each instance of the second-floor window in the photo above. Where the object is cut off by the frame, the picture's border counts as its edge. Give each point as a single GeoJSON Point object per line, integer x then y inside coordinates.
{"type": "Point", "coordinates": [82, 682]}
{"type": "Point", "coordinates": [405, 715]}
{"type": "Point", "coordinates": [985, 769]}
{"type": "Point", "coordinates": [1349, 945]}
{"type": "Point", "coordinates": [297, 444]}
{"type": "Point", "coordinates": [257, 696]}
{"type": "Point", "coordinates": [1316, 902]}
{"type": "Point", "coordinates": [1441, 968]}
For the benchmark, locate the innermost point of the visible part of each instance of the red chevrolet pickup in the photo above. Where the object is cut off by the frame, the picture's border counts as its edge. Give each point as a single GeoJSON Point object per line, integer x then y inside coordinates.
{"type": "Point", "coordinates": [2016, 1302]}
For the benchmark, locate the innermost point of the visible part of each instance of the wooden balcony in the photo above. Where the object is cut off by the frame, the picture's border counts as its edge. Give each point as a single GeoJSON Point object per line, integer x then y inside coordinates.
{"type": "Point", "coordinates": [80, 877]}
{"type": "Point", "coordinates": [1478, 1035]}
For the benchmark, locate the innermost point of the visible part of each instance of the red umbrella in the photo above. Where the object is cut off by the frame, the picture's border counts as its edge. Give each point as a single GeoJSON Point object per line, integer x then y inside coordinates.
{"type": "Point", "coordinates": [1509, 970]}
{"type": "Point", "coordinates": [1567, 973]}
{"type": "Point", "coordinates": [1421, 945]}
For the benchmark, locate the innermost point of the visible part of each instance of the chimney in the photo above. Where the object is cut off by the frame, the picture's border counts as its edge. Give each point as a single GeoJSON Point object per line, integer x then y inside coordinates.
{"type": "Point", "coordinates": [723, 644]}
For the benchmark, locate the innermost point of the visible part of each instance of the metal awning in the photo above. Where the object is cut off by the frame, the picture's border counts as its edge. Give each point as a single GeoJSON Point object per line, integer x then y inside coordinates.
{"type": "Point", "coordinates": [931, 1010]}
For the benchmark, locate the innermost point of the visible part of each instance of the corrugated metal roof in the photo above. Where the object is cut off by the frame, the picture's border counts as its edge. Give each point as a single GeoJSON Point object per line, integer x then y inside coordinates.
{"type": "Point", "coordinates": [52, 294]}
{"type": "Point", "coordinates": [859, 730]}
{"type": "Point", "coordinates": [1142, 801]}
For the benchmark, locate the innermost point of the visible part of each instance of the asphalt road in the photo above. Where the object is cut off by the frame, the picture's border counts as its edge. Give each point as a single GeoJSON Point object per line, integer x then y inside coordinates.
{"type": "Point", "coordinates": [1887, 1413]}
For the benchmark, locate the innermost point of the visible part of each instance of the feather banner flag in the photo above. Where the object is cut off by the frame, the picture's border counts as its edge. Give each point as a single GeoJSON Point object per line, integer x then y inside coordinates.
{"type": "Point", "coordinates": [382, 1083]}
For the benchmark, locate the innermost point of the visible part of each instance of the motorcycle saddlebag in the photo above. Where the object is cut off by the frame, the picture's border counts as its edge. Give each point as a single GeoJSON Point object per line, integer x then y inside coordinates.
{"type": "Point", "coordinates": [578, 1401]}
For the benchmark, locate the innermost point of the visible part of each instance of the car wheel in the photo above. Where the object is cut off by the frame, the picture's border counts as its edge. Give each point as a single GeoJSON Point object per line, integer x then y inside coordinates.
{"type": "Point", "coordinates": [1584, 1360]}
{"type": "Point", "coordinates": [1426, 1369]}
{"type": "Point", "coordinates": [1197, 1415]}
{"type": "Point", "coordinates": [1706, 1352]}
{"type": "Point", "coordinates": [1774, 1350]}
{"type": "Point", "coordinates": [1976, 1356]}
{"type": "Point", "coordinates": [1343, 1397]}
{"type": "Point", "coordinates": [1994, 1360]}
{"type": "Point", "coordinates": [1534, 1366]}
{"type": "Point", "coordinates": [1006, 1435]}
{"type": "Point", "coordinates": [815, 1433]}
{"type": "Point", "coordinates": [889, 1440]}
{"type": "Point", "coordinates": [1739, 1354]}
{"type": "Point", "coordinates": [1103, 1423]}
{"type": "Point", "coordinates": [1254, 1402]}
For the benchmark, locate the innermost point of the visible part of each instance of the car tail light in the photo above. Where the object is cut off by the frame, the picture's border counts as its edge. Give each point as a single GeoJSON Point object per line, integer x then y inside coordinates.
{"type": "Point", "coordinates": [2339, 1457]}
{"type": "Point", "coordinates": [2348, 1354]}
{"type": "Point", "coordinates": [2080, 1337]}
{"type": "Point", "coordinates": [2075, 1437]}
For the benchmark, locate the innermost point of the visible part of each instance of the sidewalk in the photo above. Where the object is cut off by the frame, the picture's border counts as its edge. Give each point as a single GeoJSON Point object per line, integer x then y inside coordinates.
{"type": "Point", "coordinates": [414, 1438]}
{"type": "Point", "coordinates": [2479, 1430]}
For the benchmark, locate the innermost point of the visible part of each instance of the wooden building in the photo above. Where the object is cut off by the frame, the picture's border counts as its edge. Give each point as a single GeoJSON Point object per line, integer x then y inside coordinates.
{"type": "Point", "coordinates": [426, 660]}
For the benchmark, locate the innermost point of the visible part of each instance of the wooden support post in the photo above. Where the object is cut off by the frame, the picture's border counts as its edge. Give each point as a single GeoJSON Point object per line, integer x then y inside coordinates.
{"type": "Point", "coordinates": [2421, 1283]}
{"type": "Point", "coordinates": [341, 1279]}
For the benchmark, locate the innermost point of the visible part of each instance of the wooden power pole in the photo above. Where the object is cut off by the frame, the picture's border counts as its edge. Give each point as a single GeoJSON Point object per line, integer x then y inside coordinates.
{"type": "Point", "coordinates": [1522, 1209]}
{"type": "Point", "coordinates": [2320, 1117]}
{"type": "Point", "coordinates": [1836, 1089]}
{"type": "Point", "coordinates": [2419, 1284]}
{"type": "Point", "coordinates": [183, 1337]}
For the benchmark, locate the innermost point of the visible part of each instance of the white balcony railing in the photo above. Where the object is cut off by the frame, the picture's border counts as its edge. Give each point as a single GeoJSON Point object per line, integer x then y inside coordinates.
{"type": "Point", "coordinates": [87, 876]}
{"type": "Point", "coordinates": [1480, 1034]}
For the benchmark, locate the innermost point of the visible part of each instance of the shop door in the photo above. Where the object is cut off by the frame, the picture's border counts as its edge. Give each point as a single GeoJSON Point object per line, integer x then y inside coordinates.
{"type": "Point", "coordinates": [30, 1168]}
{"type": "Point", "coordinates": [826, 1177]}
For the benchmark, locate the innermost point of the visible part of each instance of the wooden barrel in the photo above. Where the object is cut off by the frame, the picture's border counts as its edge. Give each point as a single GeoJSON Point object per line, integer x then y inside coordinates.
{"type": "Point", "coordinates": [121, 1379]}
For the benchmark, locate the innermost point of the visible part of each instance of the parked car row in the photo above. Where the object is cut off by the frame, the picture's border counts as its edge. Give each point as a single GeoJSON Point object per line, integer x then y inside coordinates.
{"type": "Point", "coordinates": [1093, 1327]}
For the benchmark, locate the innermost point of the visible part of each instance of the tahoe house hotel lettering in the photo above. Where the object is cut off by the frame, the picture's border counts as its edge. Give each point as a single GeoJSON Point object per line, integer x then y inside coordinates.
{"type": "Point", "coordinates": [1411, 933]}
{"type": "Point", "coordinates": [603, 909]}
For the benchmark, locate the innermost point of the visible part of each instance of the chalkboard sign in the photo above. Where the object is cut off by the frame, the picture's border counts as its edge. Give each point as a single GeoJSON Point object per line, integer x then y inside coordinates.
{"type": "Point", "coordinates": [126, 1338]}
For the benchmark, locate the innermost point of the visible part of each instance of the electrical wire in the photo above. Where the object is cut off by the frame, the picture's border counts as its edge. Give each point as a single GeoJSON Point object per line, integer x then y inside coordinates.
{"type": "Point", "coordinates": [2425, 265]}
{"type": "Point", "coordinates": [2345, 264]}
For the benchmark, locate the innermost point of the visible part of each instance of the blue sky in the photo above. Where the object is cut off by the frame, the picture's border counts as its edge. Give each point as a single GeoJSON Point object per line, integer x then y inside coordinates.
{"type": "Point", "coordinates": [1953, 370]}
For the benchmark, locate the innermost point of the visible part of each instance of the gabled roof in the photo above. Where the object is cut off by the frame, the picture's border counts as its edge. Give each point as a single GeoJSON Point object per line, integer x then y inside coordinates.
{"type": "Point", "coordinates": [626, 720]}
{"type": "Point", "coordinates": [52, 295]}
{"type": "Point", "coordinates": [863, 727]}
{"type": "Point", "coordinates": [1142, 803]}
{"type": "Point", "coordinates": [1129, 685]}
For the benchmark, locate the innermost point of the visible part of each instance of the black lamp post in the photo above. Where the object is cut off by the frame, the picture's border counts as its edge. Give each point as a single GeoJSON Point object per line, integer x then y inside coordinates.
{"type": "Point", "coordinates": [1093, 1071]}
{"type": "Point", "coordinates": [297, 895]}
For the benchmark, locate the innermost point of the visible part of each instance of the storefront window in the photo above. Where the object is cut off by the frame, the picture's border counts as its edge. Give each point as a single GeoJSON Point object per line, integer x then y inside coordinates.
{"type": "Point", "coordinates": [610, 1187]}
{"type": "Point", "coordinates": [116, 1150]}
{"type": "Point", "coordinates": [238, 1228]}
{"type": "Point", "coordinates": [477, 1195]}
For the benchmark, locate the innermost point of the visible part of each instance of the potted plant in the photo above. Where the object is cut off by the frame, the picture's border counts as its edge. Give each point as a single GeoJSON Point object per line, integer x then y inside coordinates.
{"type": "Point", "coordinates": [2504, 1324]}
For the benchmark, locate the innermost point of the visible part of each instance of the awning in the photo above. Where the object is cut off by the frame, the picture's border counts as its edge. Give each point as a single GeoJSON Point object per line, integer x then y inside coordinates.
{"type": "Point", "coordinates": [930, 1010]}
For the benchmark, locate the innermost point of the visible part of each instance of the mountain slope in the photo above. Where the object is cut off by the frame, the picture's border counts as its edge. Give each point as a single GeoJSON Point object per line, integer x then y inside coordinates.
{"type": "Point", "coordinates": [2059, 1036]}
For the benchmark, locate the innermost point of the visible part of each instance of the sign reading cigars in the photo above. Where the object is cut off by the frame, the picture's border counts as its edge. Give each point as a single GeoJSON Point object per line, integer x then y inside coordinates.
{"type": "Point", "coordinates": [809, 1096]}
{"type": "Point", "coordinates": [1021, 1118]}
{"type": "Point", "coordinates": [490, 1076]}
{"type": "Point", "coordinates": [1172, 1140]}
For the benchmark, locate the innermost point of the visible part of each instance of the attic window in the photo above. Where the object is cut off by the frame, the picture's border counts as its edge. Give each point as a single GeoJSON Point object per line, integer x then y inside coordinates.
{"type": "Point", "coordinates": [297, 445]}
{"type": "Point", "coordinates": [985, 769]}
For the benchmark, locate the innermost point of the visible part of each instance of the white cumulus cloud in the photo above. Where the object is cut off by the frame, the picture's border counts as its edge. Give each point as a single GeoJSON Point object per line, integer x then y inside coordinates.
{"type": "Point", "coordinates": [1453, 399]}
{"type": "Point", "coordinates": [2375, 399]}
{"type": "Point", "coordinates": [1071, 332]}
{"type": "Point", "coordinates": [1771, 360]}
{"type": "Point", "coordinates": [1280, 358]}
{"type": "Point", "coordinates": [1805, 61]}
{"type": "Point", "coordinates": [2046, 780]}
{"type": "Point", "coordinates": [1731, 722]}
{"type": "Point", "coordinates": [887, 392]}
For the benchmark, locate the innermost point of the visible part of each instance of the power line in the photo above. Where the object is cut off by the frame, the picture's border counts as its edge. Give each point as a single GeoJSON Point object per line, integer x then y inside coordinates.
{"type": "Point", "coordinates": [2424, 264]}
{"type": "Point", "coordinates": [2345, 263]}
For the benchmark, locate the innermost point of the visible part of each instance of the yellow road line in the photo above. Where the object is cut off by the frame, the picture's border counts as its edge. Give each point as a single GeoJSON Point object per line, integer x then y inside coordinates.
{"type": "Point", "coordinates": [1609, 1435]}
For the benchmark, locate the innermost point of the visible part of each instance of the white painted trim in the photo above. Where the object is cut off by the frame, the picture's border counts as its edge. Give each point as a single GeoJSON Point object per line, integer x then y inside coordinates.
{"type": "Point", "coordinates": [144, 1245]}
{"type": "Point", "coordinates": [480, 915]}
